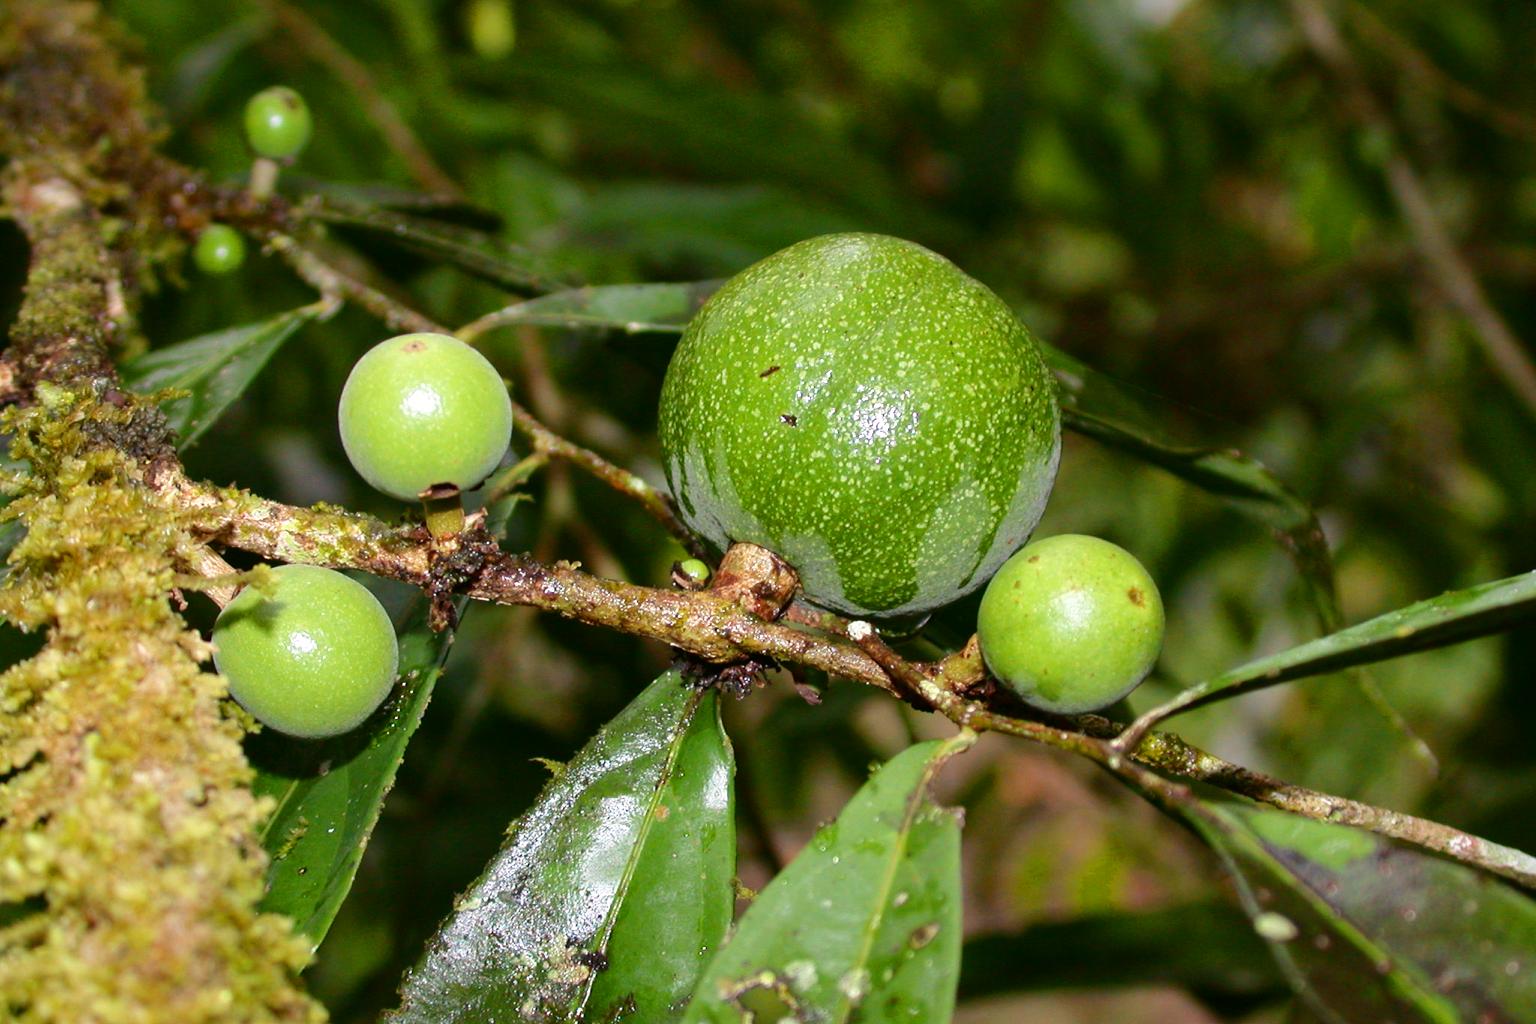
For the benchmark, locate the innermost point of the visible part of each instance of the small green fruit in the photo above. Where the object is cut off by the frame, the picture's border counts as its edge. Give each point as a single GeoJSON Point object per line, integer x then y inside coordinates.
{"type": "Point", "coordinates": [694, 570]}
{"type": "Point", "coordinates": [423, 410]}
{"type": "Point", "coordinates": [1071, 623]}
{"type": "Point", "coordinates": [860, 406]}
{"type": "Point", "coordinates": [220, 249]}
{"type": "Point", "coordinates": [277, 123]}
{"type": "Point", "coordinates": [312, 658]}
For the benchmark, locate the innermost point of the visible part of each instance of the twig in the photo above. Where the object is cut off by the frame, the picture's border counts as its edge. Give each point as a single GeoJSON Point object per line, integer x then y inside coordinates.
{"type": "Point", "coordinates": [324, 49]}
{"type": "Point", "coordinates": [1172, 754]}
{"type": "Point", "coordinates": [1168, 753]}
{"type": "Point", "coordinates": [1447, 266]}
{"type": "Point", "coordinates": [622, 480]}
{"type": "Point", "coordinates": [334, 283]}
{"type": "Point", "coordinates": [1417, 63]}
{"type": "Point", "coordinates": [719, 630]}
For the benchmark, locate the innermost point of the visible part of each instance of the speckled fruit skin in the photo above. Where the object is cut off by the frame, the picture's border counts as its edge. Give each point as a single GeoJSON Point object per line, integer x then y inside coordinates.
{"type": "Point", "coordinates": [313, 658]}
{"type": "Point", "coordinates": [277, 123]}
{"type": "Point", "coordinates": [220, 249]}
{"type": "Point", "coordinates": [1071, 623]}
{"type": "Point", "coordinates": [420, 410]}
{"type": "Point", "coordinates": [859, 405]}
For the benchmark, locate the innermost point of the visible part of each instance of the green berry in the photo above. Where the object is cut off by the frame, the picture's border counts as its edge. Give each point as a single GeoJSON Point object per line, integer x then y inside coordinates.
{"type": "Point", "coordinates": [424, 410]}
{"type": "Point", "coordinates": [694, 570]}
{"type": "Point", "coordinates": [859, 405]}
{"type": "Point", "coordinates": [1071, 623]}
{"type": "Point", "coordinates": [313, 657]}
{"type": "Point", "coordinates": [277, 123]}
{"type": "Point", "coordinates": [220, 249]}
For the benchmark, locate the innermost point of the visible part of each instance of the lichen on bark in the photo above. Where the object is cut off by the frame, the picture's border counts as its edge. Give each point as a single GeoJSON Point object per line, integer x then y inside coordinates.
{"type": "Point", "coordinates": [126, 818]}
{"type": "Point", "coordinates": [130, 870]}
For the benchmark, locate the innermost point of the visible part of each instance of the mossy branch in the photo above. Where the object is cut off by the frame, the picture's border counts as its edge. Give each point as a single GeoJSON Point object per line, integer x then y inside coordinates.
{"type": "Point", "coordinates": [720, 630]}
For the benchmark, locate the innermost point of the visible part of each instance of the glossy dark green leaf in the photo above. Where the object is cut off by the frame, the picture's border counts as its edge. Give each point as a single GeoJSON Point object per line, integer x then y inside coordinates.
{"type": "Point", "coordinates": [1447, 619]}
{"type": "Point", "coordinates": [631, 308]}
{"type": "Point", "coordinates": [1208, 947]}
{"type": "Point", "coordinates": [215, 369]}
{"type": "Point", "coordinates": [329, 794]}
{"type": "Point", "coordinates": [625, 862]}
{"type": "Point", "coordinates": [364, 195]}
{"type": "Point", "coordinates": [472, 251]}
{"type": "Point", "coordinates": [864, 924]}
{"type": "Point", "coordinates": [1367, 930]}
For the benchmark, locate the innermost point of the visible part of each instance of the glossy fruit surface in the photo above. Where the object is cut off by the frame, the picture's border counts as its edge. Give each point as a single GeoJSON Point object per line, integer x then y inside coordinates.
{"type": "Point", "coordinates": [1071, 623]}
{"type": "Point", "coordinates": [277, 123]}
{"type": "Point", "coordinates": [859, 405]}
{"type": "Point", "coordinates": [421, 410]}
{"type": "Point", "coordinates": [220, 249]}
{"type": "Point", "coordinates": [312, 658]}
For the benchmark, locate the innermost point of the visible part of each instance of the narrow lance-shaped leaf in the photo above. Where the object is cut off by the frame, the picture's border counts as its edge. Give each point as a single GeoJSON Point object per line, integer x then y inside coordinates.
{"type": "Point", "coordinates": [329, 795]}
{"type": "Point", "coordinates": [474, 252]}
{"type": "Point", "coordinates": [1367, 930]}
{"type": "Point", "coordinates": [1450, 618]}
{"type": "Point", "coordinates": [610, 892]}
{"type": "Point", "coordinates": [215, 369]}
{"type": "Point", "coordinates": [631, 308]}
{"type": "Point", "coordinates": [864, 924]}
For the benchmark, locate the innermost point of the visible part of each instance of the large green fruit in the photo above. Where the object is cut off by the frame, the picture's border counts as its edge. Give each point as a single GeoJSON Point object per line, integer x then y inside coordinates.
{"type": "Point", "coordinates": [859, 405]}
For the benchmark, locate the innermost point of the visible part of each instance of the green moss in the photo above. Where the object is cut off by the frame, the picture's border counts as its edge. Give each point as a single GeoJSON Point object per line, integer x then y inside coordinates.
{"type": "Point", "coordinates": [128, 811]}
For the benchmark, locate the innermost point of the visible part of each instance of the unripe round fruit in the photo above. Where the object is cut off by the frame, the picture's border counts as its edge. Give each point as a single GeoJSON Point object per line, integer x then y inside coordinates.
{"type": "Point", "coordinates": [422, 410]}
{"type": "Point", "coordinates": [860, 406]}
{"type": "Point", "coordinates": [277, 123]}
{"type": "Point", "coordinates": [220, 249]}
{"type": "Point", "coordinates": [312, 658]}
{"type": "Point", "coordinates": [1071, 623]}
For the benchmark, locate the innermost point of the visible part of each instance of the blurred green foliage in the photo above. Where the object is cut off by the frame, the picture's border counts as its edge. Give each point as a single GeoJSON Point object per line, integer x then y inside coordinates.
{"type": "Point", "coordinates": [1170, 191]}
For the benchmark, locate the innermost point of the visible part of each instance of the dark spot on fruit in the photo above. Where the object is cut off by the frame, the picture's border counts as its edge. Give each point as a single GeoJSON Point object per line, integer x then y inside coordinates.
{"type": "Point", "coordinates": [414, 346]}
{"type": "Point", "coordinates": [1032, 559]}
{"type": "Point", "coordinates": [788, 420]}
{"type": "Point", "coordinates": [770, 371]}
{"type": "Point", "coordinates": [595, 959]}
{"type": "Point", "coordinates": [1137, 597]}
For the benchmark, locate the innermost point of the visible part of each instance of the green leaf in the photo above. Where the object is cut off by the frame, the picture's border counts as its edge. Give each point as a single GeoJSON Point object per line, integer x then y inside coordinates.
{"type": "Point", "coordinates": [474, 252]}
{"type": "Point", "coordinates": [631, 308]}
{"type": "Point", "coordinates": [1207, 947]}
{"type": "Point", "coordinates": [864, 924]}
{"type": "Point", "coordinates": [328, 795]}
{"type": "Point", "coordinates": [610, 891]}
{"type": "Point", "coordinates": [1367, 930]}
{"type": "Point", "coordinates": [214, 368]}
{"type": "Point", "coordinates": [1447, 619]}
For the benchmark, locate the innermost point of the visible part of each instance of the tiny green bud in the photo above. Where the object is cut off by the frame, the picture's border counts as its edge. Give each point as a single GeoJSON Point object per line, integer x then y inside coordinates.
{"type": "Point", "coordinates": [277, 123]}
{"type": "Point", "coordinates": [690, 572]}
{"type": "Point", "coordinates": [220, 249]}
